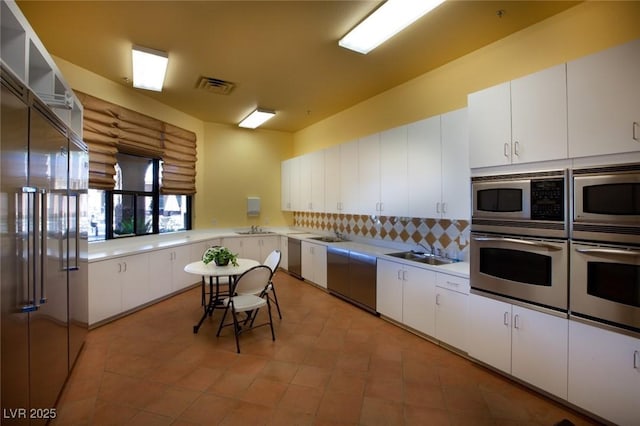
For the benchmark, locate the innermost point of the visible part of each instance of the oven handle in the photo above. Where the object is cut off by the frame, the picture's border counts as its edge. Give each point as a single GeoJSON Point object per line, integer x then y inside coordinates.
{"type": "Point", "coordinates": [609, 251]}
{"type": "Point", "coordinates": [517, 241]}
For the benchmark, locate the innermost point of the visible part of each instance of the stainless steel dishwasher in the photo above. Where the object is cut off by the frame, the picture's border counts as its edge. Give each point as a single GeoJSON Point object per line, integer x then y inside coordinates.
{"type": "Point", "coordinates": [352, 276]}
{"type": "Point", "coordinates": [295, 257]}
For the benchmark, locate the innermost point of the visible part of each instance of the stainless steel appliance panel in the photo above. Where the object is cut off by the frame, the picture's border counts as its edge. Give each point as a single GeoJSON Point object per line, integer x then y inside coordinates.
{"type": "Point", "coordinates": [607, 204]}
{"type": "Point", "coordinates": [48, 169]}
{"type": "Point", "coordinates": [363, 277]}
{"type": "Point", "coordinates": [15, 219]}
{"type": "Point", "coordinates": [338, 270]}
{"type": "Point", "coordinates": [77, 259]}
{"type": "Point", "coordinates": [533, 204]}
{"type": "Point", "coordinates": [605, 283]}
{"type": "Point", "coordinates": [295, 257]}
{"type": "Point", "coordinates": [526, 269]}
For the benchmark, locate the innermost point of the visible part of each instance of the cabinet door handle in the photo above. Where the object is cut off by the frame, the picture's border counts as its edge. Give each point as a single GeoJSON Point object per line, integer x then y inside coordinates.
{"type": "Point", "coordinates": [453, 284]}
{"type": "Point", "coordinates": [444, 207]}
{"type": "Point", "coordinates": [438, 207]}
{"type": "Point", "coordinates": [516, 323]}
{"type": "Point", "coordinates": [505, 319]}
{"type": "Point", "coordinates": [381, 206]}
{"type": "Point", "coordinates": [636, 360]}
{"type": "Point", "coordinates": [506, 150]}
{"type": "Point", "coordinates": [404, 275]}
{"type": "Point", "coordinates": [635, 136]}
{"type": "Point", "coordinates": [119, 267]}
{"type": "Point", "coordinates": [438, 299]}
{"type": "Point", "coordinates": [125, 266]}
{"type": "Point", "coordinates": [516, 148]}
{"type": "Point", "coordinates": [399, 274]}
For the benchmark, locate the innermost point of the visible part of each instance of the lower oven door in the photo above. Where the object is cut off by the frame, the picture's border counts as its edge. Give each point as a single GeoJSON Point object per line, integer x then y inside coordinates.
{"type": "Point", "coordinates": [526, 269]}
{"type": "Point", "coordinates": [605, 284]}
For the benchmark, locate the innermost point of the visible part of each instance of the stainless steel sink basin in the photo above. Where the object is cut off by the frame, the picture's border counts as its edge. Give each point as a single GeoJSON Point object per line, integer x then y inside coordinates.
{"type": "Point", "coordinates": [328, 239]}
{"type": "Point", "coordinates": [426, 258]}
{"type": "Point", "coordinates": [254, 232]}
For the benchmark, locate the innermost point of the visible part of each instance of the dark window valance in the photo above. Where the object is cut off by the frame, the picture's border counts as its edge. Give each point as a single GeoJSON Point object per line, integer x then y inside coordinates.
{"type": "Point", "coordinates": [109, 129]}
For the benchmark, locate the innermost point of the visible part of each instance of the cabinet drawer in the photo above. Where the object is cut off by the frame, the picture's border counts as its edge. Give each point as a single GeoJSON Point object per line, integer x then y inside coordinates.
{"type": "Point", "coordinates": [452, 282]}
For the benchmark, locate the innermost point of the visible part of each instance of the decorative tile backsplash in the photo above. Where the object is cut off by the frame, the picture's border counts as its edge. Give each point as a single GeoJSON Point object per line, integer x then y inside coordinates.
{"type": "Point", "coordinates": [449, 236]}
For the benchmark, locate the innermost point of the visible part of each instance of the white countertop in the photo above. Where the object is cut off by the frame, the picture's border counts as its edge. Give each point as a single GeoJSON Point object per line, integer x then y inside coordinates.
{"type": "Point", "coordinates": [104, 250]}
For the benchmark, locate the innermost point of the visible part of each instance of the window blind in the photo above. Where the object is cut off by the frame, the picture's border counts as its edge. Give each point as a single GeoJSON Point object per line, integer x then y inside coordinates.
{"type": "Point", "coordinates": [109, 129]}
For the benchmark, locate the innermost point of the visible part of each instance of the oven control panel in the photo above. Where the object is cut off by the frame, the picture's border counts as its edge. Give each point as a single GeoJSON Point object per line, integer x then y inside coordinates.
{"type": "Point", "coordinates": [548, 199]}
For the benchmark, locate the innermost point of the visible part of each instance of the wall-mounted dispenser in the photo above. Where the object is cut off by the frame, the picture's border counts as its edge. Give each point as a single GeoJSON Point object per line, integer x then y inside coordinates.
{"type": "Point", "coordinates": [253, 206]}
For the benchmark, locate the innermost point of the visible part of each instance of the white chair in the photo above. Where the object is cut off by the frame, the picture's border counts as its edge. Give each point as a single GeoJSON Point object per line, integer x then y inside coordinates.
{"type": "Point", "coordinates": [273, 261]}
{"type": "Point", "coordinates": [247, 289]}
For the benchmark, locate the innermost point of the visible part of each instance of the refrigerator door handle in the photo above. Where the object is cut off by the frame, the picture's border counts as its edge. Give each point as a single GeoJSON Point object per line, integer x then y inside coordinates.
{"type": "Point", "coordinates": [28, 223]}
{"type": "Point", "coordinates": [44, 208]}
{"type": "Point", "coordinates": [76, 239]}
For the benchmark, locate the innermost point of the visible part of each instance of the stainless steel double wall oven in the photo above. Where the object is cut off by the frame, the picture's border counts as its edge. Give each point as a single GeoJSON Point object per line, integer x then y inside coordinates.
{"type": "Point", "coordinates": [519, 238]}
{"type": "Point", "coordinates": [605, 246]}
{"type": "Point", "coordinates": [567, 240]}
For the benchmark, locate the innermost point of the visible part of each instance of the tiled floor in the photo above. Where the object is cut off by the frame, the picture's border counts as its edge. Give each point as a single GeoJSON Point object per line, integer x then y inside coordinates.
{"type": "Point", "coordinates": [331, 364]}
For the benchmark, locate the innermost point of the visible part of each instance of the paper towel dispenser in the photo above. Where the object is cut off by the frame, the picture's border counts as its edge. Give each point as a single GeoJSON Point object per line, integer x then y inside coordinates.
{"type": "Point", "coordinates": [253, 206]}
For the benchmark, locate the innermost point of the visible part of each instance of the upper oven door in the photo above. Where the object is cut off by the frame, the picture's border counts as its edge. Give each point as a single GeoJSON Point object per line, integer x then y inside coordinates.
{"type": "Point", "coordinates": [526, 269]}
{"type": "Point", "coordinates": [502, 200]}
{"type": "Point", "coordinates": [610, 199]}
{"type": "Point", "coordinates": [605, 283]}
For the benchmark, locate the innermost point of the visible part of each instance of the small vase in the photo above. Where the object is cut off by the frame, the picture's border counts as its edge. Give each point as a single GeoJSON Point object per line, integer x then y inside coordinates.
{"type": "Point", "coordinates": [224, 262]}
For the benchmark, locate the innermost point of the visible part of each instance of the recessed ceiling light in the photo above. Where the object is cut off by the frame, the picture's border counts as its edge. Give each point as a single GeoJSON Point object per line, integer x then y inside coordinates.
{"type": "Point", "coordinates": [256, 118]}
{"type": "Point", "coordinates": [149, 68]}
{"type": "Point", "coordinates": [385, 22]}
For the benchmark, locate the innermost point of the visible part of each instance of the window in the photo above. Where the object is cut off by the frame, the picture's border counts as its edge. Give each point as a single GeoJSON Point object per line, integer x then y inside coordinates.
{"type": "Point", "coordinates": [135, 206]}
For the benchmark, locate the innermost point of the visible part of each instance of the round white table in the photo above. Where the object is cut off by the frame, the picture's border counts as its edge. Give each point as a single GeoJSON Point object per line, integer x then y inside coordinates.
{"type": "Point", "coordinates": [214, 271]}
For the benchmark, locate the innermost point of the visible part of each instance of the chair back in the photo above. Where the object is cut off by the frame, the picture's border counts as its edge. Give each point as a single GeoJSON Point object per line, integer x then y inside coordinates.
{"type": "Point", "coordinates": [273, 260]}
{"type": "Point", "coordinates": [254, 280]}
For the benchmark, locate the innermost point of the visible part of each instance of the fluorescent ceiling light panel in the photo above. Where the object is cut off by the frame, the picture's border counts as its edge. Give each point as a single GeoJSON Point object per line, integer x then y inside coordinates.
{"type": "Point", "coordinates": [256, 118]}
{"type": "Point", "coordinates": [385, 22]}
{"type": "Point", "coordinates": [149, 68]}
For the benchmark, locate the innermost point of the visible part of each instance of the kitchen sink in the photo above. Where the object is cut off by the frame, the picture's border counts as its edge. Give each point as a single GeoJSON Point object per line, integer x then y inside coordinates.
{"type": "Point", "coordinates": [416, 256]}
{"type": "Point", "coordinates": [328, 239]}
{"type": "Point", "coordinates": [254, 232]}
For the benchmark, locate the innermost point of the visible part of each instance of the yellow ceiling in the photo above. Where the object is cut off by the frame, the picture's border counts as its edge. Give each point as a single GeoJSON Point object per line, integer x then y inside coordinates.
{"type": "Point", "coordinates": [281, 55]}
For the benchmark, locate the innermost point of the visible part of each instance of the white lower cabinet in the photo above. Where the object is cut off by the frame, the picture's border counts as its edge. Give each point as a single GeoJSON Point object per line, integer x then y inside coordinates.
{"type": "Point", "coordinates": [604, 373]}
{"type": "Point", "coordinates": [117, 285]}
{"type": "Point", "coordinates": [452, 300]}
{"type": "Point", "coordinates": [314, 262]}
{"type": "Point", "coordinates": [256, 247]}
{"type": "Point", "coordinates": [167, 273]}
{"type": "Point", "coordinates": [406, 294]}
{"type": "Point", "coordinates": [284, 252]}
{"type": "Point", "coordinates": [527, 344]}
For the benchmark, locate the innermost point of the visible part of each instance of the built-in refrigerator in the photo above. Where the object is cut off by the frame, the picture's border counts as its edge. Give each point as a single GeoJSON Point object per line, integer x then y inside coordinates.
{"type": "Point", "coordinates": [43, 196]}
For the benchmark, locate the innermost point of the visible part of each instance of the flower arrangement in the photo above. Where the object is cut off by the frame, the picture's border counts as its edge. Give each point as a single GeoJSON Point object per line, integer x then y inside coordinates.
{"type": "Point", "coordinates": [220, 255]}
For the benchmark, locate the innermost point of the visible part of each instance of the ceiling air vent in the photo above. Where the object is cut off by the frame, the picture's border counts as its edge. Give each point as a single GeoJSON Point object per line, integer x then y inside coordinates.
{"type": "Point", "coordinates": [215, 85]}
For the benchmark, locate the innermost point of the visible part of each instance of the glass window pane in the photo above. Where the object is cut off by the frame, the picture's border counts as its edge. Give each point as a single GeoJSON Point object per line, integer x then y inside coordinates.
{"type": "Point", "coordinates": [173, 213]}
{"type": "Point", "coordinates": [515, 265]}
{"type": "Point", "coordinates": [144, 209]}
{"type": "Point", "coordinates": [123, 215]}
{"type": "Point", "coordinates": [96, 223]}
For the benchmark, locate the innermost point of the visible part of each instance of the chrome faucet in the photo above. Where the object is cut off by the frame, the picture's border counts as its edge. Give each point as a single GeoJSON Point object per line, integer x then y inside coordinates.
{"type": "Point", "coordinates": [428, 249]}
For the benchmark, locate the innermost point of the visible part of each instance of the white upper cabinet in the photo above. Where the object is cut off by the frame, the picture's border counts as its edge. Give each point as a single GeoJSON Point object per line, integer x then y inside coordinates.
{"type": "Point", "coordinates": [438, 178]}
{"type": "Point", "coordinates": [490, 126]}
{"type": "Point", "coordinates": [349, 177]}
{"type": "Point", "coordinates": [341, 178]}
{"type": "Point", "coordinates": [424, 167]}
{"type": "Point", "coordinates": [604, 102]}
{"type": "Point", "coordinates": [456, 185]}
{"type": "Point", "coordinates": [311, 190]}
{"type": "Point", "coordinates": [332, 179]}
{"type": "Point", "coordinates": [369, 174]}
{"type": "Point", "coordinates": [521, 121]}
{"type": "Point", "coordinates": [393, 172]}
{"type": "Point", "coordinates": [285, 185]}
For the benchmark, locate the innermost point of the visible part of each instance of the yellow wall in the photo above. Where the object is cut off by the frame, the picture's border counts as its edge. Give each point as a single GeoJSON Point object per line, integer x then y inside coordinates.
{"type": "Point", "coordinates": [240, 164]}
{"type": "Point", "coordinates": [246, 162]}
{"type": "Point", "coordinates": [579, 31]}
